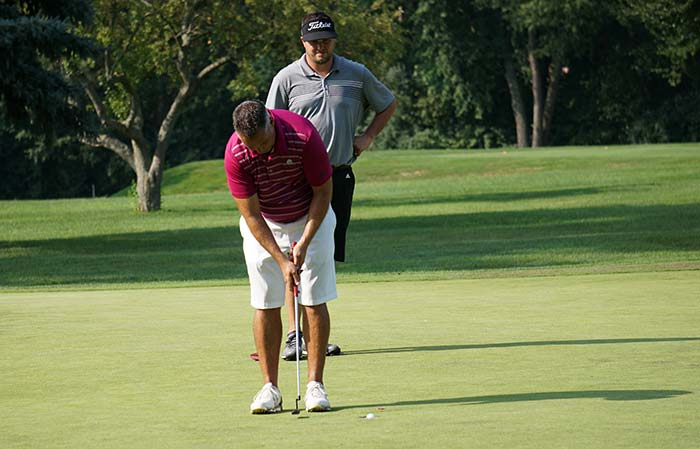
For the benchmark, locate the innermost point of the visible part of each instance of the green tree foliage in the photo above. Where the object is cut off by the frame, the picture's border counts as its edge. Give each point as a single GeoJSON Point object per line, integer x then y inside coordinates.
{"type": "Point", "coordinates": [671, 30]}
{"type": "Point", "coordinates": [544, 35]}
{"type": "Point", "coordinates": [448, 94]}
{"type": "Point", "coordinates": [368, 32]}
{"type": "Point", "coordinates": [158, 54]}
{"type": "Point", "coordinates": [495, 72]}
{"type": "Point", "coordinates": [40, 107]}
{"type": "Point", "coordinates": [55, 171]}
{"type": "Point", "coordinates": [469, 65]}
{"type": "Point", "coordinates": [615, 94]}
{"type": "Point", "coordinates": [36, 37]}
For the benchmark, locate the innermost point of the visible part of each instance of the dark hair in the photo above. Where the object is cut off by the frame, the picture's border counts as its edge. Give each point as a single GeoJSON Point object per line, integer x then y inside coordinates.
{"type": "Point", "coordinates": [249, 117]}
{"type": "Point", "coordinates": [316, 15]}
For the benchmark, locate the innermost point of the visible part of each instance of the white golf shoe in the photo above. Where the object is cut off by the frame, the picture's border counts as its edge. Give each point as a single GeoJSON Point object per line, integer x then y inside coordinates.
{"type": "Point", "coordinates": [268, 400]}
{"type": "Point", "coordinates": [316, 398]}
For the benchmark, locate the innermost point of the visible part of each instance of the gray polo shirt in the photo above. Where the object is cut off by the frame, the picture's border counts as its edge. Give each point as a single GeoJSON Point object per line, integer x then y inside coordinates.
{"type": "Point", "coordinates": [335, 104]}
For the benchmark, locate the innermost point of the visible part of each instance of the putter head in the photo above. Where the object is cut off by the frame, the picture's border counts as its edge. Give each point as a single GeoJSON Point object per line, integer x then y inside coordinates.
{"type": "Point", "coordinates": [296, 407]}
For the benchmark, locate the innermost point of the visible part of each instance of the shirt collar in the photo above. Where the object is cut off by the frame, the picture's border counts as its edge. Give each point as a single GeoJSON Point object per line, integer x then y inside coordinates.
{"type": "Point", "coordinates": [280, 145]}
{"type": "Point", "coordinates": [308, 71]}
{"type": "Point", "coordinates": [280, 139]}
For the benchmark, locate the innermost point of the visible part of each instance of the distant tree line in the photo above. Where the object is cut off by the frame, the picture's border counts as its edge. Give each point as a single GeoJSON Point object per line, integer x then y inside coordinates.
{"type": "Point", "coordinates": [99, 94]}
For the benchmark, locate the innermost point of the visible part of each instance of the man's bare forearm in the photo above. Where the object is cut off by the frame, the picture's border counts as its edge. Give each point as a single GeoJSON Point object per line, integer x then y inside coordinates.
{"type": "Point", "coordinates": [317, 211]}
{"type": "Point", "coordinates": [250, 211]}
{"type": "Point", "coordinates": [380, 121]}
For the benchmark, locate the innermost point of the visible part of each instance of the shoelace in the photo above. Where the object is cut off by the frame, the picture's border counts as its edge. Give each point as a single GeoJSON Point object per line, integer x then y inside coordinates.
{"type": "Point", "coordinates": [317, 391]}
{"type": "Point", "coordinates": [261, 394]}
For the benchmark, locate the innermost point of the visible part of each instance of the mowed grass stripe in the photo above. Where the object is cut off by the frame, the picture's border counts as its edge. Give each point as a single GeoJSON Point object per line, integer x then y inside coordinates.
{"type": "Point", "coordinates": [424, 214]}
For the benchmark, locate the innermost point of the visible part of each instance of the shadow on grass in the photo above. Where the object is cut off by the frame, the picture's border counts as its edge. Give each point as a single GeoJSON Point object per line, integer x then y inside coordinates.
{"type": "Point", "coordinates": [482, 197]}
{"type": "Point", "coordinates": [548, 238]}
{"type": "Point", "coordinates": [540, 238]}
{"type": "Point", "coordinates": [519, 344]}
{"type": "Point", "coordinates": [609, 395]}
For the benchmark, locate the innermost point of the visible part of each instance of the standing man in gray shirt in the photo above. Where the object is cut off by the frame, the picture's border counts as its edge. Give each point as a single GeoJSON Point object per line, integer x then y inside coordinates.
{"type": "Point", "coordinates": [334, 93]}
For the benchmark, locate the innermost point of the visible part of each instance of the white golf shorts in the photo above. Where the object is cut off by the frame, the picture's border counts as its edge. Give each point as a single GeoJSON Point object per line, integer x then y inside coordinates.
{"type": "Point", "coordinates": [267, 286]}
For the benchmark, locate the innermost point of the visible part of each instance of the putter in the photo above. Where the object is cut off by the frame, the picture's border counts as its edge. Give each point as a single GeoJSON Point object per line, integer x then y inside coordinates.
{"type": "Point", "coordinates": [296, 338]}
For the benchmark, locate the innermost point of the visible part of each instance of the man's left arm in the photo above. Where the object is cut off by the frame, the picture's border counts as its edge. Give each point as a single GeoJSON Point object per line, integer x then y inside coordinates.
{"type": "Point", "coordinates": [278, 95]}
{"type": "Point", "coordinates": [364, 140]}
{"type": "Point", "coordinates": [320, 202]}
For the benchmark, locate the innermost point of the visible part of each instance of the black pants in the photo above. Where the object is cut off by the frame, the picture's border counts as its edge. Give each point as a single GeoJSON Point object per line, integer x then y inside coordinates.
{"type": "Point", "coordinates": [343, 189]}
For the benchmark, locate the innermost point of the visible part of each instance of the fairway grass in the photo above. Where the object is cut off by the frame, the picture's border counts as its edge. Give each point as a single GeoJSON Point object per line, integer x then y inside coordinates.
{"type": "Point", "coordinates": [429, 215]}
{"type": "Point", "coordinates": [586, 361]}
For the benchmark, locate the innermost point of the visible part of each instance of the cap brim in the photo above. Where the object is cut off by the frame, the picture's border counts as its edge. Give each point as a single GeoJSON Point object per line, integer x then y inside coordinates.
{"type": "Point", "coordinates": [316, 35]}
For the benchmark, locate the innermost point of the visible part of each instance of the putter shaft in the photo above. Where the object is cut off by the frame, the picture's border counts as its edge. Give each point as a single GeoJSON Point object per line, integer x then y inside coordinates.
{"type": "Point", "coordinates": [297, 342]}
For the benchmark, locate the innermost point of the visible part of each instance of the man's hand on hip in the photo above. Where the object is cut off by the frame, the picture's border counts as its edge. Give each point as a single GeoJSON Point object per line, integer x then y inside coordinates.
{"type": "Point", "coordinates": [361, 143]}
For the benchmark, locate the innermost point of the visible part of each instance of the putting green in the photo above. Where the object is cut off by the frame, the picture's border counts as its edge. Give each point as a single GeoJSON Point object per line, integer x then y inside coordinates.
{"type": "Point", "coordinates": [571, 361]}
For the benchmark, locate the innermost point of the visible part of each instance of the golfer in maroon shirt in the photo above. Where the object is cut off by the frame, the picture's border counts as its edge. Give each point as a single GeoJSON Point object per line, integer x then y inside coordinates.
{"type": "Point", "coordinates": [281, 178]}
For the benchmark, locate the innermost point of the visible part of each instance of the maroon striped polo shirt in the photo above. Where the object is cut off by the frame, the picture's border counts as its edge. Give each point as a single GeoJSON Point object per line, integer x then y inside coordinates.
{"type": "Point", "coordinates": [283, 177]}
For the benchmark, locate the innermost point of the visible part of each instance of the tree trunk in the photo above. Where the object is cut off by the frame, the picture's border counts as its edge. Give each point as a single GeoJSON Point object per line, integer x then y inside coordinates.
{"type": "Point", "coordinates": [516, 102]}
{"type": "Point", "coordinates": [155, 178]}
{"type": "Point", "coordinates": [148, 191]}
{"type": "Point", "coordinates": [537, 97]}
{"type": "Point", "coordinates": [147, 185]}
{"type": "Point", "coordinates": [550, 101]}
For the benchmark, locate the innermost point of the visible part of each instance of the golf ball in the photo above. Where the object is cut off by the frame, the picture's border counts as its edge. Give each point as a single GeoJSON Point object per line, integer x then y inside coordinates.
{"type": "Point", "coordinates": [370, 416]}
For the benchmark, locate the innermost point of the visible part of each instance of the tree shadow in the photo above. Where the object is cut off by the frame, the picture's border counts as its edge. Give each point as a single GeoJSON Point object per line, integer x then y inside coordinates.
{"type": "Point", "coordinates": [517, 344]}
{"type": "Point", "coordinates": [198, 254]}
{"type": "Point", "coordinates": [609, 395]}
{"type": "Point", "coordinates": [481, 197]}
{"type": "Point", "coordinates": [520, 239]}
